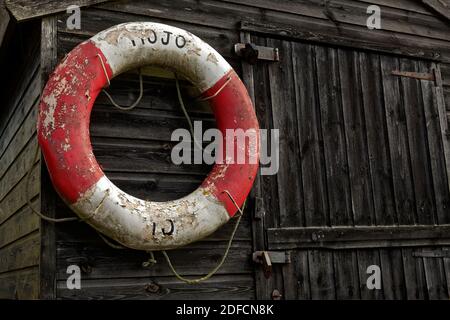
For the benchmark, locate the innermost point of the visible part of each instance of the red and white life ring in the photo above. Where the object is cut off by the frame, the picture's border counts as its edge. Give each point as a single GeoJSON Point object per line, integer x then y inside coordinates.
{"type": "Point", "coordinates": [63, 133]}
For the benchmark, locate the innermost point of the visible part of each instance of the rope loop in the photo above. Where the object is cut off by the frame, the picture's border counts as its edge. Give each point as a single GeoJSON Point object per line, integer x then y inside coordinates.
{"type": "Point", "coordinates": [115, 104]}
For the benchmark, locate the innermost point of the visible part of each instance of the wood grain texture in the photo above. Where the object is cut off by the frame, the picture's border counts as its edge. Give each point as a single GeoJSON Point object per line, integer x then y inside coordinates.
{"type": "Point", "coordinates": [24, 10]}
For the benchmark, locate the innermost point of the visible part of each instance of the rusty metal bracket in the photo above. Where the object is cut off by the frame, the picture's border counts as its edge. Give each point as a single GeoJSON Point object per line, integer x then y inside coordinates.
{"type": "Point", "coordinates": [251, 53]}
{"type": "Point", "coordinates": [259, 210]}
{"type": "Point", "coordinates": [414, 75]}
{"type": "Point", "coordinates": [268, 258]}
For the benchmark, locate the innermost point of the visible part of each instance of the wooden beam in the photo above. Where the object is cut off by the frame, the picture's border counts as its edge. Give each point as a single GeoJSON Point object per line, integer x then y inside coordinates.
{"type": "Point", "coordinates": [354, 37]}
{"type": "Point", "coordinates": [440, 6]}
{"type": "Point", "coordinates": [4, 21]}
{"type": "Point", "coordinates": [358, 237]}
{"type": "Point", "coordinates": [29, 9]}
{"type": "Point", "coordinates": [47, 266]}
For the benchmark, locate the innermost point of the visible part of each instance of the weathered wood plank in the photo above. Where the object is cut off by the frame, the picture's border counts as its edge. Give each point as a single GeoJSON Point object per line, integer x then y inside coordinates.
{"type": "Point", "coordinates": [21, 284]}
{"type": "Point", "coordinates": [255, 200]}
{"type": "Point", "coordinates": [20, 140]}
{"type": "Point", "coordinates": [48, 196]}
{"type": "Point", "coordinates": [355, 138]}
{"type": "Point", "coordinates": [379, 162]}
{"type": "Point", "coordinates": [376, 236]}
{"type": "Point", "coordinates": [439, 6]}
{"type": "Point", "coordinates": [219, 287]}
{"type": "Point", "coordinates": [353, 13]}
{"type": "Point", "coordinates": [16, 199]}
{"type": "Point", "coordinates": [284, 118]}
{"type": "Point", "coordinates": [102, 262]}
{"type": "Point", "coordinates": [136, 157]}
{"type": "Point", "coordinates": [416, 288]}
{"type": "Point", "coordinates": [393, 278]}
{"type": "Point", "coordinates": [335, 158]}
{"type": "Point", "coordinates": [19, 225]}
{"type": "Point", "coordinates": [418, 146]}
{"type": "Point", "coordinates": [435, 278]}
{"type": "Point", "coordinates": [25, 10]}
{"type": "Point", "coordinates": [312, 165]}
{"type": "Point", "coordinates": [4, 21]}
{"type": "Point", "coordinates": [366, 258]}
{"type": "Point", "coordinates": [20, 254]}
{"type": "Point", "coordinates": [20, 86]}
{"type": "Point", "coordinates": [310, 136]}
{"type": "Point", "coordinates": [263, 107]}
{"type": "Point", "coordinates": [436, 149]}
{"type": "Point", "coordinates": [18, 169]}
{"type": "Point", "coordinates": [379, 41]}
{"type": "Point", "coordinates": [20, 113]}
{"type": "Point", "coordinates": [398, 145]}
{"type": "Point", "coordinates": [321, 275]}
{"type": "Point", "coordinates": [107, 121]}
{"type": "Point", "coordinates": [331, 101]}
{"type": "Point", "coordinates": [227, 14]}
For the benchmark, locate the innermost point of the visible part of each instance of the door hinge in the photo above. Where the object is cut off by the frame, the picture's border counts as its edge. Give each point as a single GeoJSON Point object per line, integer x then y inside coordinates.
{"type": "Point", "coordinates": [251, 53]}
{"type": "Point", "coordinates": [414, 75]}
{"type": "Point", "coordinates": [269, 258]}
{"type": "Point", "coordinates": [259, 210]}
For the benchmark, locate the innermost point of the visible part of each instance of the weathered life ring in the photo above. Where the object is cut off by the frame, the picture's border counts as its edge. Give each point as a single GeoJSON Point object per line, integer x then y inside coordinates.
{"type": "Point", "coordinates": [63, 133]}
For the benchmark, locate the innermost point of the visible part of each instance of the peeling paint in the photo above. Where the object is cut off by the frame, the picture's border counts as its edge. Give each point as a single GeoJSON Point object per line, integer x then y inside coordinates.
{"type": "Point", "coordinates": [63, 132]}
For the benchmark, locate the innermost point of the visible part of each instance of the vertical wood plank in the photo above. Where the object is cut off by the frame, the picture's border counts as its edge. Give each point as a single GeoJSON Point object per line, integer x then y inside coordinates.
{"type": "Point", "coordinates": [312, 161]}
{"type": "Point", "coordinates": [379, 161]}
{"type": "Point", "coordinates": [268, 184]}
{"type": "Point", "coordinates": [47, 268]}
{"type": "Point", "coordinates": [290, 193]}
{"type": "Point", "coordinates": [261, 289]}
{"type": "Point", "coordinates": [418, 127]}
{"type": "Point", "coordinates": [309, 128]}
{"type": "Point", "coordinates": [336, 168]}
{"type": "Point", "coordinates": [435, 278]}
{"type": "Point", "coordinates": [362, 211]}
{"type": "Point", "coordinates": [434, 106]}
{"type": "Point", "coordinates": [391, 259]}
{"type": "Point", "coordinates": [415, 283]}
{"type": "Point", "coordinates": [418, 146]}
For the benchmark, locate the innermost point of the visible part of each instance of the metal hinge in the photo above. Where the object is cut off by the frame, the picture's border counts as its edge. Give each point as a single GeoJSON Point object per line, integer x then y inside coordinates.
{"type": "Point", "coordinates": [251, 53]}
{"type": "Point", "coordinates": [269, 258]}
{"type": "Point", "coordinates": [259, 210]}
{"type": "Point", "coordinates": [414, 75]}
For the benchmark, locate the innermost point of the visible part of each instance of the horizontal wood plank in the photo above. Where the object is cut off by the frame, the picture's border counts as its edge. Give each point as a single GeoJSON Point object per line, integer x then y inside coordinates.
{"type": "Point", "coordinates": [357, 237]}
{"type": "Point", "coordinates": [102, 262]}
{"type": "Point", "coordinates": [221, 287]}
{"type": "Point", "coordinates": [407, 45]}
{"type": "Point", "coordinates": [25, 10]}
{"type": "Point", "coordinates": [21, 284]}
{"type": "Point", "coordinates": [20, 254]}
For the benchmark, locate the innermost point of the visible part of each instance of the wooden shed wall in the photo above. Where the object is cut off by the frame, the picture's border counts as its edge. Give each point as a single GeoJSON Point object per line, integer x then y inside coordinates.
{"type": "Point", "coordinates": [19, 227]}
{"type": "Point", "coordinates": [133, 147]}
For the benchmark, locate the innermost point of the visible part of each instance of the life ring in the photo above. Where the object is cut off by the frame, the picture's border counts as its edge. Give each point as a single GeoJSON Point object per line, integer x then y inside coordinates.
{"type": "Point", "coordinates": [63, 133]}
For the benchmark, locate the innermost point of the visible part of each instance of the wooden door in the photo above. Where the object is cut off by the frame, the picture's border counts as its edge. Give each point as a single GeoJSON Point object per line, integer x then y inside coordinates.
{"type": "Point", "coordinates": [362, 178]}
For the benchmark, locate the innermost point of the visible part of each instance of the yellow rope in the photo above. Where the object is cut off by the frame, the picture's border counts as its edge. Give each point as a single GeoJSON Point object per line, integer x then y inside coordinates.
{"type": "Point", "coordinates": [27, 195]}
{"type": "Point", "coordinates": [224, 257]}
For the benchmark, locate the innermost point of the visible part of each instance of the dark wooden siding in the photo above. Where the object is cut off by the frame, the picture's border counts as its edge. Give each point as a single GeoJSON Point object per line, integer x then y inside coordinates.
{"type": "Point", "coordinates": [133, 147]}
{"type": "Point", "coordinates": [361, 148]}
{"type": "Point", "coordinates": [19, 227]}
